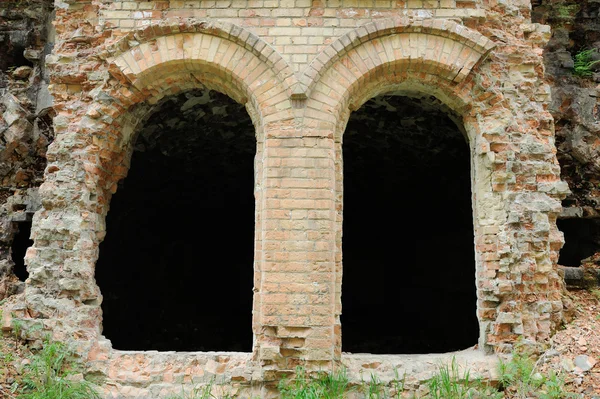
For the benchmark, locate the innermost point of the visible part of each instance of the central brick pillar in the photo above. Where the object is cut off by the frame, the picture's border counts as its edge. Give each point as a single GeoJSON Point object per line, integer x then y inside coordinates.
{"type": "Point", "coordinates": [295, 261]}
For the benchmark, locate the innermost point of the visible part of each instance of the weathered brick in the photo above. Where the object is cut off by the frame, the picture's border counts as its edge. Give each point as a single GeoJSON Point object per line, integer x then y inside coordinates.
{"type": "Point", "coordinates": [299, 66]}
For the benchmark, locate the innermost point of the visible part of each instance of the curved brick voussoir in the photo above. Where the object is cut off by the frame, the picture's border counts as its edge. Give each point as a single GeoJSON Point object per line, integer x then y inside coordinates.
{"type": "Point", "coordinates": [211, 35]}
{"type": "Point", "coordinates": [437, 46]}
{"type": "Point", "coordinates": [172, 63]}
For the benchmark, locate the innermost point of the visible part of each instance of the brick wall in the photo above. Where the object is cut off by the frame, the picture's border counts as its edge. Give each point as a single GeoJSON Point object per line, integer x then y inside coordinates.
{"type": "Point", "coordinates": [297, 29]}
{"type": "Point", "coordinates": [300, 67]}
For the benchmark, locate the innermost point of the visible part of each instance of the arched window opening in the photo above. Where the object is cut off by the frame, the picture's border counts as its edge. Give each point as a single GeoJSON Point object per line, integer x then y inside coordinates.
{"type": "Point", "coordinates": [408, 251]}
{"type": "Point", "coordinates": [582, 240]}
{"type": "Point", "coordinates": [176, 266]}
{"type": "Point", "coordinates": [21, 242]}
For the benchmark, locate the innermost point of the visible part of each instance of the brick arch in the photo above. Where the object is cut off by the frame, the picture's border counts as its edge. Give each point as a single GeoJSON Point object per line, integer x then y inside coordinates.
{"type": "Point", "coordinates": [433, 56]}
{"type": "Point", "coordinates": [145, 66]}
{"type": "Point", "coordinates": [465, 99]}
{"type": "Point", "coordinates": [170, 57]}
{"type": "Point", "coordinates": [377, 63]}
{"type": "Point", "coordinates": [177, 60]}
{"type": "Point", "coordinates": [434, 46]}
{"type": "Point", "coordinates": [145, 41]}
{"type": "Point", "coordinates": [115, 128]}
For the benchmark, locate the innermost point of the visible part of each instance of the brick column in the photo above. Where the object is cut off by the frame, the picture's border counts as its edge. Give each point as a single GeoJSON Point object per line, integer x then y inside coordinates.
{"type": "Point", "coordinates": [296, 291]}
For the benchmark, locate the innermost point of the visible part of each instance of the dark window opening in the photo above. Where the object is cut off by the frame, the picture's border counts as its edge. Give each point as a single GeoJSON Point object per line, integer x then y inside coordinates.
{"type": "Point", "coordinates": [21, 242]}
{"type": "Point", "coordinates": [13, 54]}
{"type": "Point", "coordinates": [582, 240]}
{"type": "Point", "coordinates": [408, 252]}
{"type": "Point", "coordinates": [176, 266]}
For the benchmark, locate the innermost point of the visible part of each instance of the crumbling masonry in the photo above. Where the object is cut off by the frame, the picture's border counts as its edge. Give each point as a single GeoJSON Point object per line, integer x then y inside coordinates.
{"type": "Point", "coordinates": [300, 68]}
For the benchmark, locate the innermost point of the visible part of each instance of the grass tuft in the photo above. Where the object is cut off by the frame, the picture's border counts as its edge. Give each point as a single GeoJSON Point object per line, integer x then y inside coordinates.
{"type": "Point", "coordinates": [321, 386]}
{"type": "Point", "coordinates": [49, 376]}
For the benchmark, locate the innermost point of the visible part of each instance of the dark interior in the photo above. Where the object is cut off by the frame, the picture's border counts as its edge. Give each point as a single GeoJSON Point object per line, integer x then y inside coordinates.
{"type": "Point", "coordinates": [176, 266]}
{"type": "Point", "coordinates": [582, 240]}
{"type": "Point", "coordinates": [12, 53]}
{"type": "Point", "coordinates": [408, 252]}
{"type": "Point", "coordinates": [21, 242]}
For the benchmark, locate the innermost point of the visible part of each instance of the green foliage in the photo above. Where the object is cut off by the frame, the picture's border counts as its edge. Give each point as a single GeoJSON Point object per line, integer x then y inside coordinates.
{"type": "Point", "coordinates": [449, 383]}
{"type": "Point", "coordinates": [304, 386]}
{"type": "Point", "coordinates": [567, 11]}
{"type": "Point", "coordinates": [17, 327]}
{"type": "Point", "coordinates": [584, 63]}
{"type": "Point", "coordinates": [321, 386]}
{"type": "Point", "coordinates": [519, 378]}
{"type": "Point", "coordinates": [336, 386]}
{"type": "Point", "coordinates": [554, 388]}
{"type": "Point", "coordinates": [398, 384]}
{"type": "Point", "coordinates": [375, 389]}
{"type": "Point", "coordinates": [49, 376]}
{"type": "Point", "coordinates": [517, 372]}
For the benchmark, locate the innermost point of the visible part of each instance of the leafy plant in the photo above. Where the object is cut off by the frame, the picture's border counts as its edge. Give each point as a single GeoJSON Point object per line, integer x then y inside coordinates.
{"type": "Point", "coordinates": [322, 386]}
{"type": "Point", "coordinates": [49, 376]}
{"type": "Point", "coordinates": [554, 388]}
{"type": "Point", "coordinates": [520, 378]}
{"type": "Point", "coordinates": [584, 62]}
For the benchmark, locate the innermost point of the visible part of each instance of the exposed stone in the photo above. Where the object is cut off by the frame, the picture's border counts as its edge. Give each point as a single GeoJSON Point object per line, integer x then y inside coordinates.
{"type": "Point", "coordinates": [24, 133]}
{"type": "Point", "coordinates": [584, 363]}
{"type": "Point", "coordinates": [22, 72]}
{"type": "Point", "coordinates": [574, 105]}
{"type": "Point", "coordinates": [567, 364]}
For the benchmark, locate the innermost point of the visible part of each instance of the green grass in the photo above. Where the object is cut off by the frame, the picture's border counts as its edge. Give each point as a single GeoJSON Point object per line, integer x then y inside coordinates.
{"type": "Point", "coordinates": [49, 376]}
{"type": "Point", "coordinates": [518, 379]}
{"type": "Point", "coordinates": [450, 383]}
{"type": "Point", "coordinates": [320, 386]}
{"type": "Point", "coordinates": [375, 389]}
{"type": "Point", "coordinates": [584, 63]}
